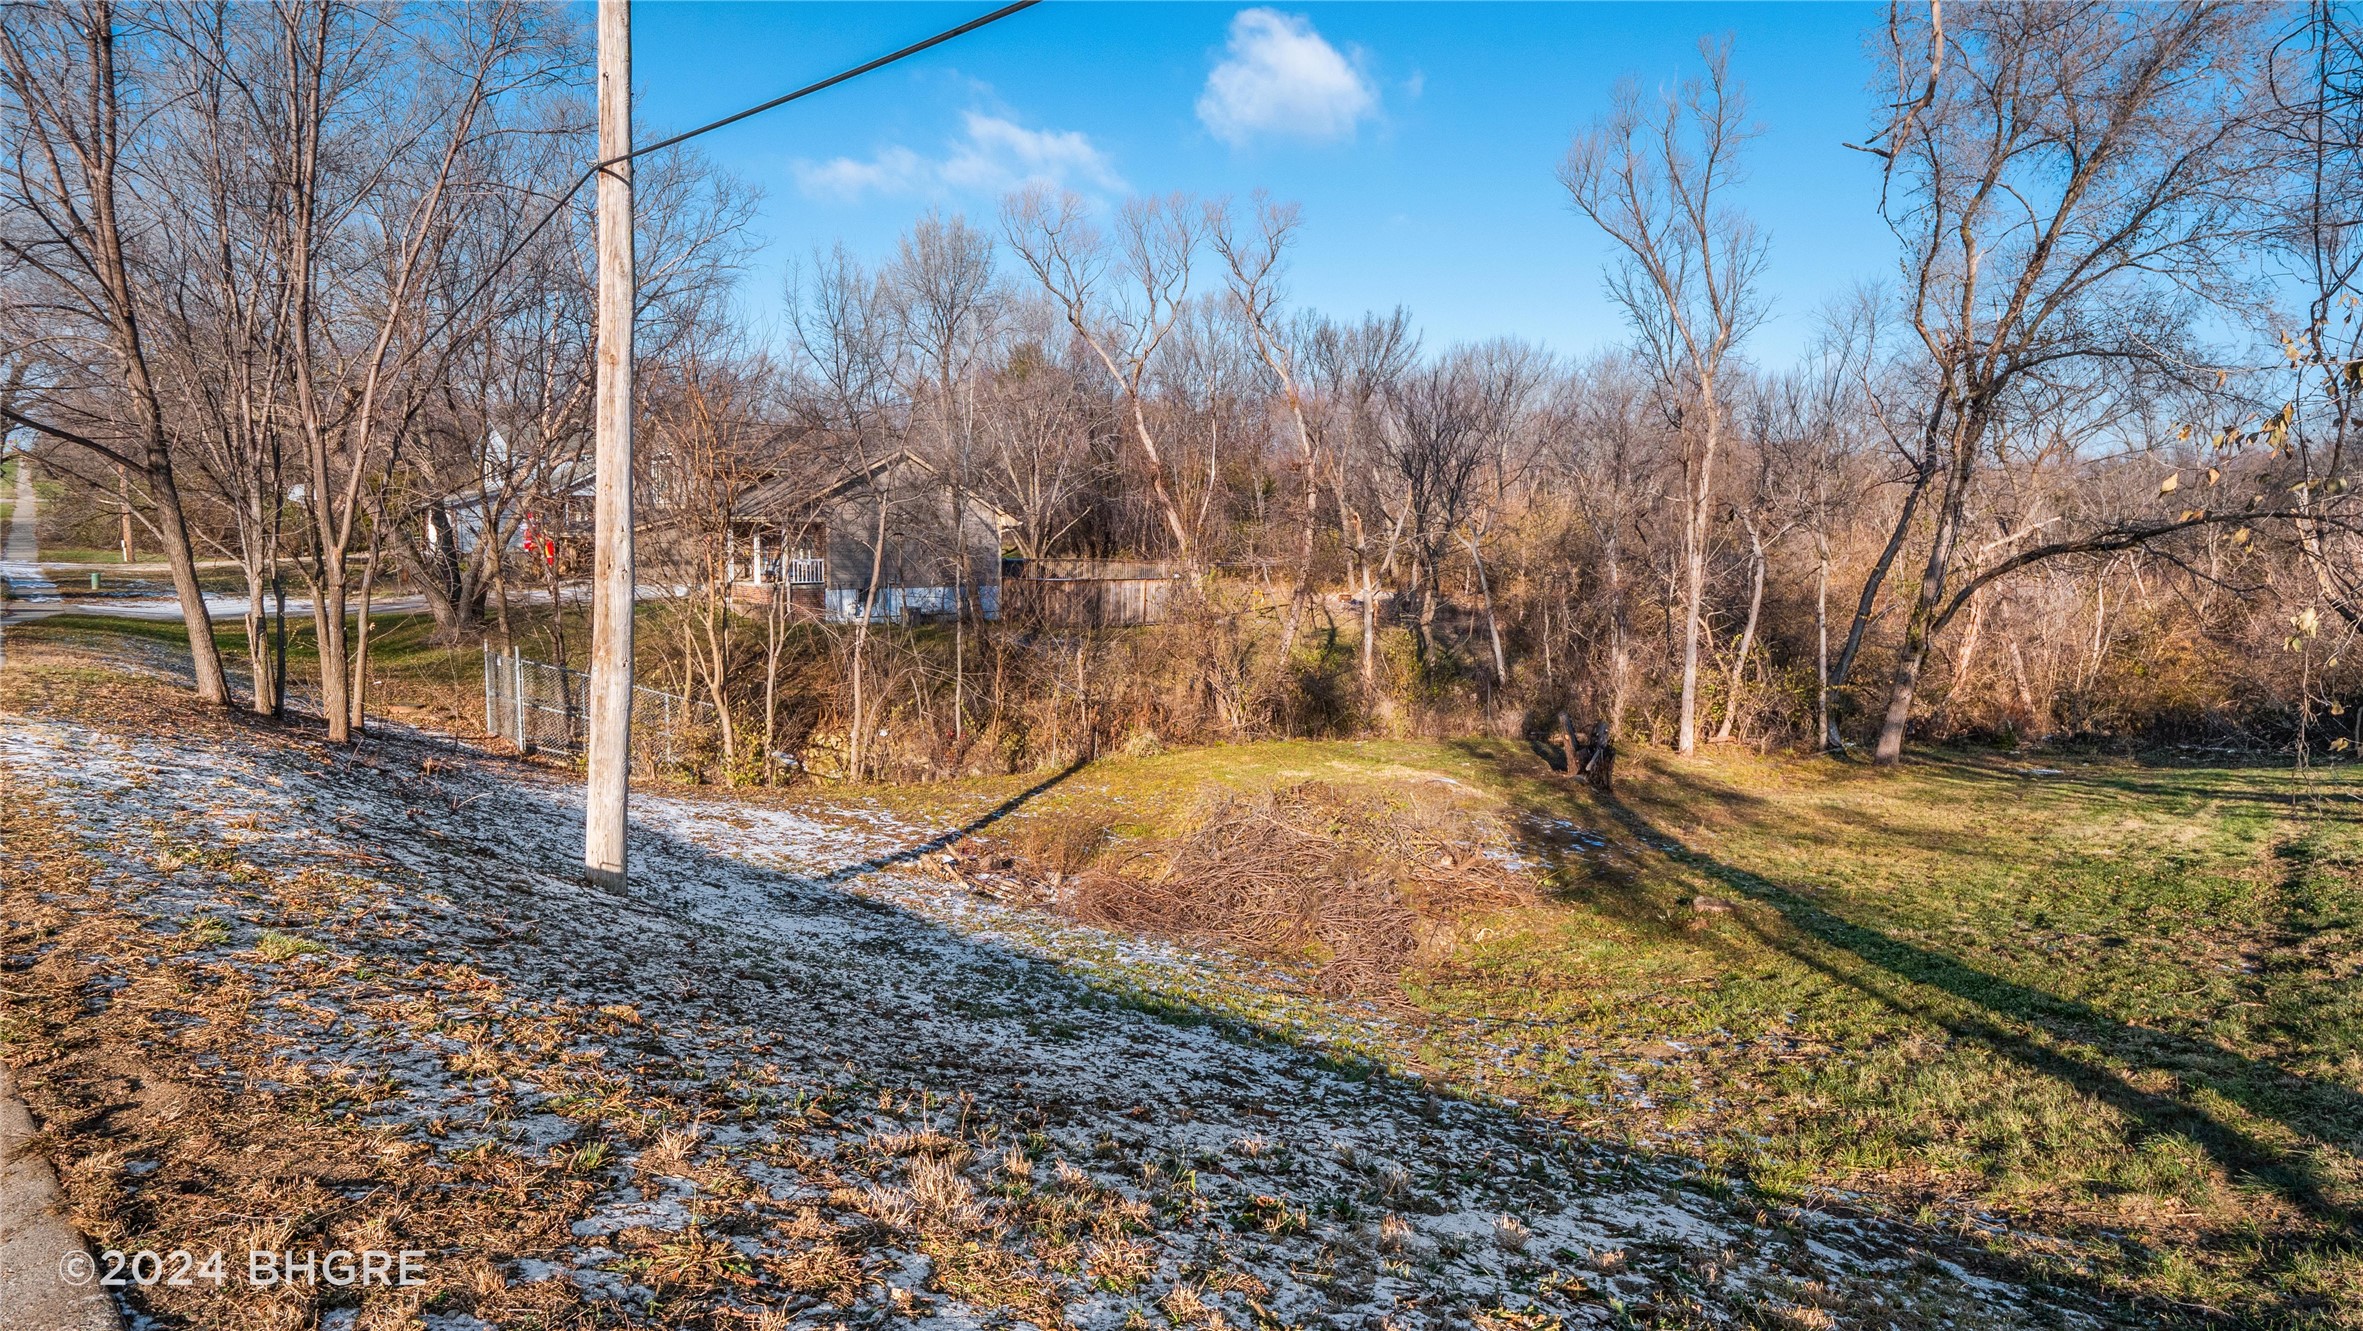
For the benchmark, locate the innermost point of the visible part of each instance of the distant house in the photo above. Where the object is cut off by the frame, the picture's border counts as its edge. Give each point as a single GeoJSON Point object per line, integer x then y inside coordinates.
{"type": "Point", "coordinates": [900, 518]}
{"type": "Point", "coordinates": [454, 524]}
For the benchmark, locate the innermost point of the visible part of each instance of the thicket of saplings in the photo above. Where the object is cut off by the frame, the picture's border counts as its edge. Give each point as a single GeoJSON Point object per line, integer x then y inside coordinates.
{"type": "Point", "coordinates": [2135, 655]}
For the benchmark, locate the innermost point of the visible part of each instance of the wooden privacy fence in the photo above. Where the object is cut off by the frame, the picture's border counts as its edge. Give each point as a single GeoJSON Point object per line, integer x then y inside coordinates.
{"type": "Point", "coordinates": [1087, 593]}
{"type": "Point", "coordinates": [541, 707]}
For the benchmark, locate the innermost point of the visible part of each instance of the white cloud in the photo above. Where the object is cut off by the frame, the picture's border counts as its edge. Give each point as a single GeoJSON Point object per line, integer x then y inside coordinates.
{"type": "Point", "coordinates": [1280, 77]}
{"type": "Point", "coordinates": [896, 170]}
{"type": "Point", "coordinates": [992, 155]}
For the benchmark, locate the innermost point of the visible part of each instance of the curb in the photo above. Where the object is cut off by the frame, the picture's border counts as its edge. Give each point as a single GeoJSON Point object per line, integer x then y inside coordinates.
{"type": "Point", "coordinates": [36, 1239]}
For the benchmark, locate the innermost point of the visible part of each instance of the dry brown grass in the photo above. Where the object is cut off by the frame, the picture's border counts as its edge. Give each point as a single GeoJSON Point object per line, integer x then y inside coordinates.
{"type": "Point", "coordinates": [1358, 885]}
{"type": "Point", "coordinates": [159, 1156]}
{"type": "Point", "coordinates": [184, 1119]}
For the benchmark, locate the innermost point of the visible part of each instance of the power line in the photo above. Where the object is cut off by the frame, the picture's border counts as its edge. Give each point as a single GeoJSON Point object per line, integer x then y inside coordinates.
{"type": "Point", "coordinates": [832, 81]}
{"type": "Point", "coordinates": [807, 90]}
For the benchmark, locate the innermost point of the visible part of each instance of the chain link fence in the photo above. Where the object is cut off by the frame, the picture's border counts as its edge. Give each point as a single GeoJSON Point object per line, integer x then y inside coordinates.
{"type": "Point", "coordinates": [543, 708]}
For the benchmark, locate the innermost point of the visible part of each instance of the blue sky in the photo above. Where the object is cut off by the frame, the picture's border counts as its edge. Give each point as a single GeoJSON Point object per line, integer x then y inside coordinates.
{"type": "Point", "coordinates": [1421, 139]}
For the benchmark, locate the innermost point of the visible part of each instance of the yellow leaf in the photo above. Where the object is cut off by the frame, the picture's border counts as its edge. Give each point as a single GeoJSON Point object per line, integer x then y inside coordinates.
{"type": "Point", "coordinates": [2339, 745]}
{"type": "Point", "coordinates": [2167, 486]}
{"type": "Point", "coordinates": [2214, 474]}
{"type": "Point", "coordinates": [2337, 709]}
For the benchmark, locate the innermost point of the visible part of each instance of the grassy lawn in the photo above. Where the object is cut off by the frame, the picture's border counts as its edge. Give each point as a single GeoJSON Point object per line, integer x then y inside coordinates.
{"type": "Point", "coordinates": [80, 554]}
{"type": "Point", "coordinates": [2104, 1014]}
{"type": "Point", "coordinates": [412, 677]}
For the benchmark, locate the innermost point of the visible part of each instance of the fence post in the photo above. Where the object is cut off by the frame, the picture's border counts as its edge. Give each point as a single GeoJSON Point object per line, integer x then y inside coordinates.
{"type": "Point", "coordinates": [491, 725]}
{"type": "Point", "coordinates": [517, 692]}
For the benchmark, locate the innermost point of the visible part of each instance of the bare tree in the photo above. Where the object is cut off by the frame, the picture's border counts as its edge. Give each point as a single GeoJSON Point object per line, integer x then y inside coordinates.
{"type": "Point", "coordinates": [1255, 264]}
{"type": "Point", "coordinates": [845, 339]}
{"type": "Point", "coordinates": [1439, 439]}
{"type": "Point", "coordinates": [1657, 179]}
{"type": "Point", "coordinates": [1038, 416]}
{"type": "Point", "coordinates": [942, 285]}
{"type": "Point", "coordinates": [2318, 117]}
{"type": "Point", "coordinates": [226, 352]}
{"type": "Point", "coordinates": [1506, 374]}
{"type": "Point", "coordinates": [1122, 305]}
{"type": "Point", "coordinates": [709, 425]}
{"type": "Point", "coordinates": [1814, 440]}
{"type": "Point", "coordinates": [2066, 181]}
{"type": "Point", "coordinates": [1609, 456]}
{"type": "Point", "coordinates": [1353, 370]}
{"type": "Point", "coordinates": [71, 145]}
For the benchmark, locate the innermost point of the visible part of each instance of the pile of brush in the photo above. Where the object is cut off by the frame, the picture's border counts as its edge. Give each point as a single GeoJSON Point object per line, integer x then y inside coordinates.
{"type": "Point", "coordinates": [1358, 885]}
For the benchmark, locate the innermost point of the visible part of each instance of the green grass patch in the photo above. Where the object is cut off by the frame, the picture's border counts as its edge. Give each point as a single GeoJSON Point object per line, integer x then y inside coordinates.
{"type": "Point", "coordinates": [2112, 1002]}
{"type": "Point", "coordinates": [276, 946]}
{"type": "Point", "coordinates": [80, 554]}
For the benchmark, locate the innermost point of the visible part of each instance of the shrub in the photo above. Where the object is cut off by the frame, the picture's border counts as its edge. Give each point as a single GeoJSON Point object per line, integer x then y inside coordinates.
{"type": "Point", "coordinates": [1357, 885]}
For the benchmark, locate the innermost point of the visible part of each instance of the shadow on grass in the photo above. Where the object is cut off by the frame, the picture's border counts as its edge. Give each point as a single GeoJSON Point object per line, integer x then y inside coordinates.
{"type": "Point", "coordinates": [2137, 778]}
{"type": "Point", "coordinates": [942, 840]}
{"type": "Point", "coordinates": [2068, 1041]}
{"type": "Point", "coordinates": [2073, 1043]}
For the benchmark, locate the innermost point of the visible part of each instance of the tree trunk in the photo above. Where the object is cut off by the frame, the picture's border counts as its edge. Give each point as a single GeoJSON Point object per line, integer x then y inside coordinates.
{"type": "Point", "coordinates": [278, 642]}
{"type": "Point", "coordinates": [1962, 667]}
{"type": "Point", "coordinates": [114, 273]}
{"type": "Point", "coordinates": [1747, 635]}
{"type": "Point", "coordinates": [857, 734]}
{"type": "Point", "coordinates": [123, 511]}
{"type": "Point", "coordinates": [1620, 630]}
{"type": "Point", "coordinates": [369, 567]}
{"type": "Point", "coordinates": [262, 571]}
{"type": "Point", "coordinates": [1301, 591]}
{"type": "Point", "coordinates": [328, 625]}
{"type": "Point", "coordinates": [1823, 724]}
{"type": "Point", "coordinates": [1693, 601]}
{"type": "Point", "coordinates": [1920, 629]}
{"type": "Point", "coordinates": [1698, 486]}
{"type": "Point", "coordinates": [773, 639]}
{"type": "Point", "coordinates": [1501, 668]}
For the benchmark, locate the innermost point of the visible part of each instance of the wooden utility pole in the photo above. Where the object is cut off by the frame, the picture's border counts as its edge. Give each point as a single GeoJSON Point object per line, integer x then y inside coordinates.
{"type": "Point", "coordinates": [611, 570]}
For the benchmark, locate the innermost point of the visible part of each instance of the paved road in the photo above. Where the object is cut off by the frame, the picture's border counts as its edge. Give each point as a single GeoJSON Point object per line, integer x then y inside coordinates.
{"type": "Point", "coordinates": [35, 594]}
